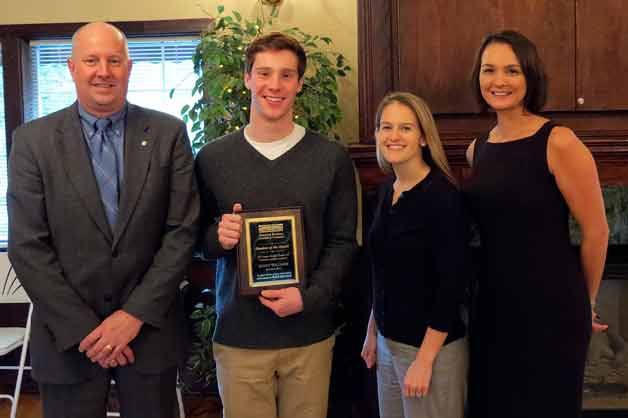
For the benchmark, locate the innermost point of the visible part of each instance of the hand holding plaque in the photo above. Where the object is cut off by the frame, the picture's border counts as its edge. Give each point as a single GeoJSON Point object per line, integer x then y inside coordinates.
{"type": "Point", "coordinates": [271, 250]}
{"type": "Point", "coordinates": [230, 228]}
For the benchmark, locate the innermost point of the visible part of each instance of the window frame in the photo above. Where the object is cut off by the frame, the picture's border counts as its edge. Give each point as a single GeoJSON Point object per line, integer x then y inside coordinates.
{"type": "Point", "coordinates": [15, 53]}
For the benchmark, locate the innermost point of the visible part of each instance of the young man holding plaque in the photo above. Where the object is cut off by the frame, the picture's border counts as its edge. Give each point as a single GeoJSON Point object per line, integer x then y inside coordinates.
{"type": "Point", "coordinates": [273, 351]}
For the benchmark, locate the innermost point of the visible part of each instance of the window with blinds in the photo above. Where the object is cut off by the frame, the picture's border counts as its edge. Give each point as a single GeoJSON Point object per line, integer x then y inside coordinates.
{"type": "Point", "coordinates": [4, 224]}
{"type": "Point", "coordinates": [159, 65]}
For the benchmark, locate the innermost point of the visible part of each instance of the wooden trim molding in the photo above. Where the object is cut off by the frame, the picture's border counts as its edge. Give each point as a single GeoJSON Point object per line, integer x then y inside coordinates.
{"type": "Point", "coordinates": [605, 147]}
{"type": "Point", "coordinates": [12, 60]}
{"type": "Point", "coordinates": [130, 28]}
{"type": "Point", "coordinates": [609, 149]}
{"type": "Point", "coordinates": [375, 59]}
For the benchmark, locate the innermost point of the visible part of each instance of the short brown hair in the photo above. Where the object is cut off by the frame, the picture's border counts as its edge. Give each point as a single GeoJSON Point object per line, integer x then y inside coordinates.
{"type": "Point", "coordinates": [275, 41]}
{"type": "Point", "coordinates": [531, 66]}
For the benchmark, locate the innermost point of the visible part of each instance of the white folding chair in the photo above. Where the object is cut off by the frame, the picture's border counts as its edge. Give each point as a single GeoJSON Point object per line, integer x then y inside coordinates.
{"type": "Point", "coordinates": [179, 401]}
{"type": "Point", "coordinates": [12, 338]}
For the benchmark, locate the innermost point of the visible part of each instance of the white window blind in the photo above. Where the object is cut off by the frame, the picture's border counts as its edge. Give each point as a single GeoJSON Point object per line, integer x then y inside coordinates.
{"type": "Point", "coordinates": [4, 224]}
{"type": "Point", "coordinates": [159, 64]}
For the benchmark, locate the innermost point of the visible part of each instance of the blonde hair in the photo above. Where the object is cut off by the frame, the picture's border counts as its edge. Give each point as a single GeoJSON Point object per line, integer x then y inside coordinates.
{"type": "Point", "coordinates": [435, 156]}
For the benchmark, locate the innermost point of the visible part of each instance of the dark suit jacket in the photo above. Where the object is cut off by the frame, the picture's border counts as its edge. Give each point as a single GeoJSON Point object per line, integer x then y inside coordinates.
{"type": "Point", "coordinates": [76, 270]}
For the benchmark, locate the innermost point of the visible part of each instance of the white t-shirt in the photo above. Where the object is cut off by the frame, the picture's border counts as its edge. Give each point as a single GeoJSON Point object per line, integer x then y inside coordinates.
{"type": "Point", "coordinates": [275, 149]}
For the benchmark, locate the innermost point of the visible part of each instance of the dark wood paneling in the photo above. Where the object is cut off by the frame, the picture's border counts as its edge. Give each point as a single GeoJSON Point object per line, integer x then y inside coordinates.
{"type": "Point", "coordinates": [606, 136]}
{"type": "Point", "coordinates": [365, 161]}
{"type": "Point", "coordinates": [379, 26]}
{"type": "Point", "coordinates": [12, 54]}
{"type": "Point", "coordinates": [404, 25]}
{"type": "Point", "coordinates": [602, 62]}
{"type": "Point", "coordinates": [375, 59]}
{"type": "Point", "coordinates": [438, 39]}
{"type": "Point", "coordinates": [202, 273]}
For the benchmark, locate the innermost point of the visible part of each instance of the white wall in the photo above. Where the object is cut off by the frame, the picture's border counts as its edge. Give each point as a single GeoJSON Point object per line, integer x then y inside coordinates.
{"type": "Point", "coordinates": [8, 286]}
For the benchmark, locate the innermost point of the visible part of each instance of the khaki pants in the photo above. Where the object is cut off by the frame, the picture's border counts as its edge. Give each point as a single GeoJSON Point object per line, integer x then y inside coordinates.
{"type": "Point", "coordinates": [278, 383]}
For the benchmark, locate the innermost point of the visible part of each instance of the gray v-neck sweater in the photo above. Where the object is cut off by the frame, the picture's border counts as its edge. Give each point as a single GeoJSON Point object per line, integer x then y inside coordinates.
{"type": "Point", "coordinates": [316, 174]}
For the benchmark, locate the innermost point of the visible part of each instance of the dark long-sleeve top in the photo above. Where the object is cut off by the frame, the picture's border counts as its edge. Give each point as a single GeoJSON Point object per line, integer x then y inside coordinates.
{"type": "Point", "coordinates": [419, 260]}
{"type": "Point", "coordinates": [317, 175]}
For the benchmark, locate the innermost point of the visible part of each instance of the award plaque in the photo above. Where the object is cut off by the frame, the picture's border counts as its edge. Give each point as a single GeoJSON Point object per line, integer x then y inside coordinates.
{"type": "Point", "coordinates": [271, 250]}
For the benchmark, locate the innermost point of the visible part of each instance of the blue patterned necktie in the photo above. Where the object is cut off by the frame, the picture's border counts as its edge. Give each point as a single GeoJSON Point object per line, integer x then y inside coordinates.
{"type": "Point", "coordinates": [106, 171]}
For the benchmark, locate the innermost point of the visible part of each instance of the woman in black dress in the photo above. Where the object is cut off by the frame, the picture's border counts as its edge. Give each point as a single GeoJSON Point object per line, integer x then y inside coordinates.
{"type": "Point", "coordinates": [536, 295]}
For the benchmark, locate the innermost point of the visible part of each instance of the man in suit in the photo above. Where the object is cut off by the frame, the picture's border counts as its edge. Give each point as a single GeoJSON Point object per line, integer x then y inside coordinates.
{"type": "Point", "coordinates": [103, 210]}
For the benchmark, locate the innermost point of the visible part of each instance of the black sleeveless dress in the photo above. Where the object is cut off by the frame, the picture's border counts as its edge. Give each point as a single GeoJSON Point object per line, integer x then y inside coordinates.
{"type": "Point", "coordinates": [531, 322]}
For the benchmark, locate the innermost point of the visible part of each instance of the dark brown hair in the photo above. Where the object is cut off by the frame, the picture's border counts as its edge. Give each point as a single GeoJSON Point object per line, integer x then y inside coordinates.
{"type": "Point", "coordinates": [531, 65]}
{"type": "Point", "coordinates": [275, 41]}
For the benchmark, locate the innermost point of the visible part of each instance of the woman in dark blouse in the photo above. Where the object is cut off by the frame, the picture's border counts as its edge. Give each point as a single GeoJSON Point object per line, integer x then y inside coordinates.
{"type": "Point", "coordinates": [418, 254]}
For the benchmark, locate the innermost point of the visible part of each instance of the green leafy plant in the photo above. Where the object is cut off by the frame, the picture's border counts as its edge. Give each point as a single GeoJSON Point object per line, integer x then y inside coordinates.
{"type": "Point", "coordinates": [224, 101]}
{"type": "Point", "coordinates": [201, 360]}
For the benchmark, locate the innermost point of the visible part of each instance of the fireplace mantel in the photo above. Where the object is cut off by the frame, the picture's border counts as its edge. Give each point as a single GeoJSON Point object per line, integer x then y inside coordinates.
{"type": "Point", "coordinates": [609, 147]}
